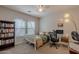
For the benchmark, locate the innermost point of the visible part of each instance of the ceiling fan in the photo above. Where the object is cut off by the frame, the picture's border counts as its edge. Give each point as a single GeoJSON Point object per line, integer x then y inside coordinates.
{"type": "Point", "coordinates": [41, 8]}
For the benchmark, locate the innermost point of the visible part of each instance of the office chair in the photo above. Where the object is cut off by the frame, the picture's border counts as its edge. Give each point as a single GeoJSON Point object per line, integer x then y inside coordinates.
{"type": "Point", "coordinates": [75, 36]}
{"type": "Point", "coordinates": [53, 38]}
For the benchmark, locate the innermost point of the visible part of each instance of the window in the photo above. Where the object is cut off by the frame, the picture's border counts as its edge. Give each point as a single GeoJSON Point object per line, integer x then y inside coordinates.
{"type": "Point", "coordinates": [24, 27]}
{"type": "Point", "coordinates": [30, 27]}
{"type": "Point", "coordinates": [19, 27]}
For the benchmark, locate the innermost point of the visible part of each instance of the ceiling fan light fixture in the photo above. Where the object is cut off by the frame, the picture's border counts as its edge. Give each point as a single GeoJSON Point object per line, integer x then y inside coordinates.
{"type": "Point", "coordinates": [40, 9]}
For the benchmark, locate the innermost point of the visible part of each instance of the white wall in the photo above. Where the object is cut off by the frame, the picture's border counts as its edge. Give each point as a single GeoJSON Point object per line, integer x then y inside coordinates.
{"type": "Point", "coordinates": [7, 14]}
{"type": "Point", "coordinates": [49, 22]}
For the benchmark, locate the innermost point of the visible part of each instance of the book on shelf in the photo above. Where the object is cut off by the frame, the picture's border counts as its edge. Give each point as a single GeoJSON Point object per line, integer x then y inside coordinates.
{"type": "Point", "coordinates": [7, 34]}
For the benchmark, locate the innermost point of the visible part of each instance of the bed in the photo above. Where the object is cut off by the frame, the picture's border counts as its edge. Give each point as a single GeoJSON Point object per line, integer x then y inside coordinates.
{"type": "Point", "coordinates": [34, 40]}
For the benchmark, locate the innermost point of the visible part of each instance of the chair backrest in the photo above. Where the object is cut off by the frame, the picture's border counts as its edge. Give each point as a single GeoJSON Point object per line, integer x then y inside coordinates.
{"type": "Point", "coordinates": [53, 34]}
{"type": "Point", "coordinates": [75, 35]}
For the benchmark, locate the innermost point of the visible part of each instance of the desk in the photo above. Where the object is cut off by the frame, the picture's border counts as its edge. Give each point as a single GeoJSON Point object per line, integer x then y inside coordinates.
{"type": "Point", "coordinates": [65, 40]}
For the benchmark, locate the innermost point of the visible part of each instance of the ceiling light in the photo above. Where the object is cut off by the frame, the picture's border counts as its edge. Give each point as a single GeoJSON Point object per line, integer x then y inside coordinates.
{"type": "Point", "coordinates": [29, 11]}
{"type": "Point", "coordinates": [40, 9]}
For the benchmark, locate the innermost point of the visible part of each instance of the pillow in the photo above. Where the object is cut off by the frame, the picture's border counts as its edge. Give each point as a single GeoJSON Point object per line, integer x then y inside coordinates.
{"type": "Point", "coordinates": [44, 37]}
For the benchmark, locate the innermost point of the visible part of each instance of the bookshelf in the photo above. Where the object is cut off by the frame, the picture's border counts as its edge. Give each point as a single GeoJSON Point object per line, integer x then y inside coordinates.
{"type": "Point", "coordinates": [7, 34]}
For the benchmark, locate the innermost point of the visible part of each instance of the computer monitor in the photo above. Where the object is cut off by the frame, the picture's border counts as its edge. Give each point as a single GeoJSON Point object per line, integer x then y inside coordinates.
{"type": "Point", "coordinates": [59, 31]}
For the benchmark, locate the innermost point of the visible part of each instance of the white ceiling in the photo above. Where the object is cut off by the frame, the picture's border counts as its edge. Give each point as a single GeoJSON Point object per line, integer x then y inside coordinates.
{"type": "Point", "coordinates": [34, 10]}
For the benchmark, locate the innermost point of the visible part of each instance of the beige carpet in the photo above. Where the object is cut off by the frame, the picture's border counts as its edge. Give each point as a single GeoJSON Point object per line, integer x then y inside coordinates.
{"type": "Point", "coordinates": [27, 49]}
